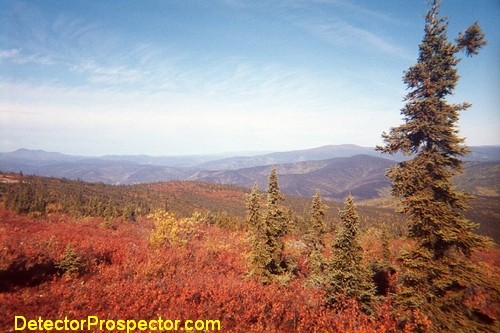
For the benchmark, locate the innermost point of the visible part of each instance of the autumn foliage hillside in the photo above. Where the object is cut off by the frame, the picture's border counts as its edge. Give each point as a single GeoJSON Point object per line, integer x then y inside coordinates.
{"type": "Point", "coordinates": [66, 263]}
{"type": "Point", "coordinates": [121, 277]}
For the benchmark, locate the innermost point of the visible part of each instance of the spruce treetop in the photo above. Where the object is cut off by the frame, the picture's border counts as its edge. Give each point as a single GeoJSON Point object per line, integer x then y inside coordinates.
{"type": "Point", "coordinates": [318, 211]}
{"type": "Point", "coordinates": [317, 227]}
{"type": "Point", "coordinates": [253, 208]}
{"type": "Point", "coordinates": [274, 195]}
{"type": "Point", "coordinates": [347, 238]}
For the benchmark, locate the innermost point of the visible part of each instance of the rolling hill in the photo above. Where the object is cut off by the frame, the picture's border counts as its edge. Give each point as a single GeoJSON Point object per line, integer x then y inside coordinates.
{"type": "Point", "coordinates": [335, 170]}
{"type": "Point", "coordinates": [313, 154]}
{"type": "Point", "coordinates": [360, 175]}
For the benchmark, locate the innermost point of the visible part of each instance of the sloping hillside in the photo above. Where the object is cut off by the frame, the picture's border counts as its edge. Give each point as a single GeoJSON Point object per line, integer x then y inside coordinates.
{"type": "Point", "coordinates": [360, 175]}
{"type": "Point", "coordinates": [480, 179]}
{"type": "Point", "coordinates": [294, 156]}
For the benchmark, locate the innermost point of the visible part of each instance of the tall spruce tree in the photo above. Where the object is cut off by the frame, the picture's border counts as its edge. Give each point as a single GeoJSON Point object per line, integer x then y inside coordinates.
{"type": "Point", "coordinates": [275, 222]}
{"type": "Point", "coordinates": [347, 276]}
{"type": "Point", "coordinates": [317, 226]}
{"type": "Point", "coordinates": [436, 274]}
{"type": "Point", "coordinates": [260, 256]}
{"type": "Point", "coordinates": [267, 260]}
{"type": "Point", "coordinates": [314, 237]}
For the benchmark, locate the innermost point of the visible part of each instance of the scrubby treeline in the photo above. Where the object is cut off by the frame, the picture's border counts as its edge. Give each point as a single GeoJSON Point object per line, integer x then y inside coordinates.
{"type": "Point", "coordinates": [42, 195]}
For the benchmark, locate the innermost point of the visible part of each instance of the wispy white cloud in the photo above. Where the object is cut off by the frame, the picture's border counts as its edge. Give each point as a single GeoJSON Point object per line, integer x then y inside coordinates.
{"type": "Point", "coordinates": [18, 57]}
{"type": "Point", "coordinates": [35, 59]}
{"type": "Point", "coordinates": [362, 11]}
{"type": "Point", "coordinates": [343, 34]}
{"type": "Point", "coordinates": [9, 54]}
{"type": "Point", "coordinates": [68, 27]}
{"type": "Point", "coordinates": [113, 75]}
{"type": "Point", "coordinates": [346, 25]}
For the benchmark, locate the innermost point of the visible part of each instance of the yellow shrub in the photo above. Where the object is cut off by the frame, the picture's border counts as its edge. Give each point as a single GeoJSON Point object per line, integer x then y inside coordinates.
{"type": "Point", "coordinates": [170, 230]}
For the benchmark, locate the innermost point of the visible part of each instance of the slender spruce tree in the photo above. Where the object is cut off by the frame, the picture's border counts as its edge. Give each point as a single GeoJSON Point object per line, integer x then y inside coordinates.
{"type": "Point", "coordinates": [275, 222]}
{"type": "Point", "coordinates": [436, 274]}
{"type": "Point", "coordinates": [348, 277]}
{"type": "Point", "coordinates": [314, 237]}
{"type": "Point", "coordinates": [259, 257]}
{"type": "Point", "coordinates": [267, 260]}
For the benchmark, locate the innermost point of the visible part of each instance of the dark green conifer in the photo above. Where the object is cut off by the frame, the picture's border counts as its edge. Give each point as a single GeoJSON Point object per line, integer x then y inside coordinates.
{"type": "Point", "coordinates": [275, 222]}
{"type": "Point", "coordinates": [260, 256]}
{"type": "Point", "coordinates": [436, 274]}
{"type": "Point", "coordinates": [267, 260]}
{"type": "Point", "coordinates": [314, 237]}
{"type": "Point", "coordinates": [253, 208]}
{"type": "Point", "coordinates": [71, 262]}
{"type": "Point", "coordinates": [348, 276]}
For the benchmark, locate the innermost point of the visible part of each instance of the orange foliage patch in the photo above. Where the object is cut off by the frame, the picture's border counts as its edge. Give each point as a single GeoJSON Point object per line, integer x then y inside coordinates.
{"type": "Point", "coordinates": [125, 278]}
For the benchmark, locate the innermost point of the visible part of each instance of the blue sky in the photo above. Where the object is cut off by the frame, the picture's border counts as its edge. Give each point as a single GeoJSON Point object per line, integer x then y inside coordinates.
{"type": "Point", "coordinates": [198, 77]}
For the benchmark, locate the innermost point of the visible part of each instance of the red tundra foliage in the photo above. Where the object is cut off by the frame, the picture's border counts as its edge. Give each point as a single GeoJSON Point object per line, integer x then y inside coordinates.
{"type": "Point", "coordinates": [122, 277]}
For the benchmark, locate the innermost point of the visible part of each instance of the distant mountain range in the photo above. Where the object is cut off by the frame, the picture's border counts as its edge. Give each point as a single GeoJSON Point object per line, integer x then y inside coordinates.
{"type": "Point", "coordinates": [360, 175]}
{"type": "Point", "coordinates": [336, 170]}
{"type": "Point", "coordinates": [314, 154]}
